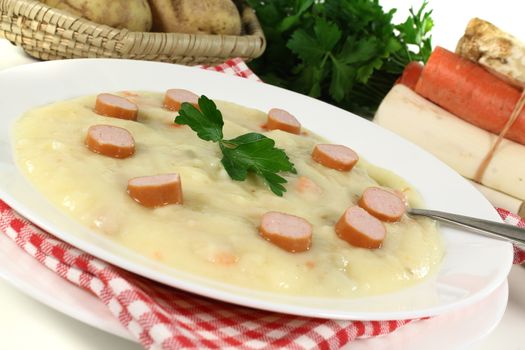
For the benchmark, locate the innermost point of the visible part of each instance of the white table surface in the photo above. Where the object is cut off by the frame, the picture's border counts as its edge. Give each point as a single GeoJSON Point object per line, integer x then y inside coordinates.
{"type": "Point", "coordinates": [27, 324]}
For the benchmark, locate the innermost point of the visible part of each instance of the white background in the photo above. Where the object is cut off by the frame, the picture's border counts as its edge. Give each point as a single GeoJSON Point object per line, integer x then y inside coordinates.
{"type": "Point", "coordinates": [52, 330]}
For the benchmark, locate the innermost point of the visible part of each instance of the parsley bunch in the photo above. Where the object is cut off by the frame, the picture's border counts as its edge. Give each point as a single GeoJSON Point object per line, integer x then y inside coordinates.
{"type": "Point", "coordinates": [345, 52]}
{"type": "Point", "coordinates": [251, 152]}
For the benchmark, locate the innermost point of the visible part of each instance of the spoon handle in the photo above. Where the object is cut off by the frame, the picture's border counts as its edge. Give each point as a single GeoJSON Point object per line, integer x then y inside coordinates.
{"type": "Point", "coordinates": [490, 228]}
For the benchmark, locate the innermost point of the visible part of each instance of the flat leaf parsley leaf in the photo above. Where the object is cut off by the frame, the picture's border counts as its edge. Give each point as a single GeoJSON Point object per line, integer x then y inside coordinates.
{"type": "Point", "coordinates": [251, 152]}
{"type": "Point", "coordinates": [207, 122]}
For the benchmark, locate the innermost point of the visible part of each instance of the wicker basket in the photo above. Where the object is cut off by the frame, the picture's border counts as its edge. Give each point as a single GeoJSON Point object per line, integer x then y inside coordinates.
{"type": "Point", "coordinates": [47, 33]}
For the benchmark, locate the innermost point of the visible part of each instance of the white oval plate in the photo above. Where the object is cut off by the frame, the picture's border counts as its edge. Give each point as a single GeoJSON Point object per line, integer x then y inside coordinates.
{"type": "Point", "coordinates": [453, 330]}
{"type": "Point", "coordinates": [473, 267]}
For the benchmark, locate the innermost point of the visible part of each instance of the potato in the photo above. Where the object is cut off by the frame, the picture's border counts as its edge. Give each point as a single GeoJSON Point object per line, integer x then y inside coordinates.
{"type": "Point", "coordinates": [190, 16]}
{"type": "Point", "coordinates": [134, 15]}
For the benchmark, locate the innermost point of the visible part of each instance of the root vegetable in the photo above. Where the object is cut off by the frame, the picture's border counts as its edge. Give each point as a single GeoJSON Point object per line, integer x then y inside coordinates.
{"type": "Point", "coordinates": [189, 16]}
{"type": "Point", "coordinates": [134, 15]}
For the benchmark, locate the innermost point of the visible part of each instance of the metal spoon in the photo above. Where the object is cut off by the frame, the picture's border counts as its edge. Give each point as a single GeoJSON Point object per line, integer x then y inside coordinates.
{"type": "Point", "coordinates": [487, 228]}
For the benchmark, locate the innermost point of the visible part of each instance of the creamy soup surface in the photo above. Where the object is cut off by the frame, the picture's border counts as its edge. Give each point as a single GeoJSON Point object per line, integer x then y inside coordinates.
{"type": "Point", "coordinates": [214, 233]}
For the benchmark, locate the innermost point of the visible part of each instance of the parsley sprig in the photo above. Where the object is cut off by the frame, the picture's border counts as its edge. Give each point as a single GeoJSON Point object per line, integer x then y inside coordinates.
{"type": "Point", "coordinates": [251, 152]}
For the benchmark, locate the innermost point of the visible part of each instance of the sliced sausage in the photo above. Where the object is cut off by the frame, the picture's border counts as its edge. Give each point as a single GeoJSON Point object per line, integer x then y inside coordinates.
{"type": "Point", "coordinates": [382, 204]}
{"type": "Point", "coordinates": [282, 120]}
{"type": "Point", "coordinates": [156, 190]}
{"type": "Point", "coordinates": [116, 107]}
{"type": "Point", "coordinates": [174, 98]}
{"type": "Point", "coordinates": [289, 232]}
{"type": "Point", "coordinates": [110, 141]}
{"type": "Point", "coordinates": [336, 157]}
{"type": "Point", "coordinates": [360, 229]}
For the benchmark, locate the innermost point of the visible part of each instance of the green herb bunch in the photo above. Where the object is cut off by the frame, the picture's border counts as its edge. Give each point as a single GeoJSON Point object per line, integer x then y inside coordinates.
{"type": "Point", "coordinates": [345, 52]}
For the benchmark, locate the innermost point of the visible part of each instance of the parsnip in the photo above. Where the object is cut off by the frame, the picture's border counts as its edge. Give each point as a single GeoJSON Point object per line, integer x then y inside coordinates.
{"type": "Point", "coordinates": [494, 49]}
{"type": "Point", "coordinates": [457, 143]}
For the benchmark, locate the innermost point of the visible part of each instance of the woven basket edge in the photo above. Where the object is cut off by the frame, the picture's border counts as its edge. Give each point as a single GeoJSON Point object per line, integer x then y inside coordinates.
{"type": "Point", "coordinates": [254, 42]}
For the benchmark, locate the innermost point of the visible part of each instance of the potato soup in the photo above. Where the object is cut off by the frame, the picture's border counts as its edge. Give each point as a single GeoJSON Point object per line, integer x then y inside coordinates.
{"type": "Point", "coordinates": [214, 233]}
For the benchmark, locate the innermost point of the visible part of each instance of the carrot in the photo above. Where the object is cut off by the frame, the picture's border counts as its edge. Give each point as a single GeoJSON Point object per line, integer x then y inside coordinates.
{"type": "Point", "coordinates": [310, 264]}
{"type": "Point", "coordinates": [410, 75]}
{"type": "Point", "coordinates": [471, 93]}
{"type": "Point", "coordinates": [157, 255]}
{"type": "Point", "coordinates": [306, 185]}
{"type": "Point", "coordinates": [224, 258]}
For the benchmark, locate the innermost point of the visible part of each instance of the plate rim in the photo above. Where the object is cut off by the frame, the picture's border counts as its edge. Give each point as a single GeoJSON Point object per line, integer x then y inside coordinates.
{"type": "Point", "coordinates": [213, 293]}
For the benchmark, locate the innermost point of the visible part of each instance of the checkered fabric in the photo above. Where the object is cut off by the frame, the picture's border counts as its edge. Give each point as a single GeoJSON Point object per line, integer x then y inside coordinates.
{"type": "Point", "coordinates": [234, 66]}
{"type": "Point", "coordinates": [509, 218]}
{"type": "Point", "coordinates": [160, 317]}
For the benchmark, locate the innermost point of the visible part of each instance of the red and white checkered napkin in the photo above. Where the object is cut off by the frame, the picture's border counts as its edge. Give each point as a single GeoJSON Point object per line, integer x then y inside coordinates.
{"type": "Point", "coordinates": [160, 317]}
{"type": "Point", "coordinates": [234, 66]}
{"type": "Point", "coordinates": [509, 218]}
